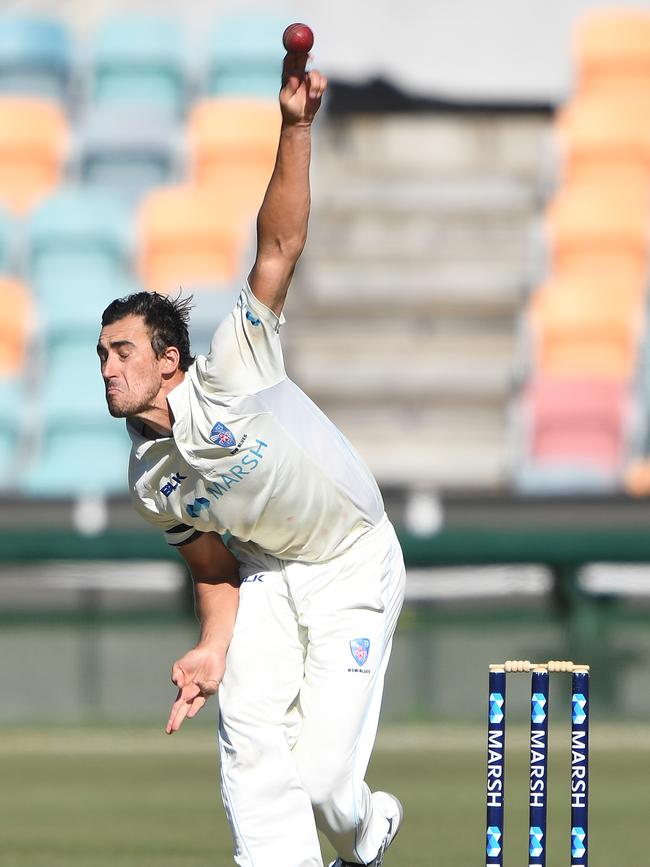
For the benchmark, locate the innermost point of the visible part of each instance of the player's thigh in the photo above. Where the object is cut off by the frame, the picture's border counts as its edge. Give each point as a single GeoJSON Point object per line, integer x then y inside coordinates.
{"type": "Point", "coordinates": [350, 629]}
{"type": "Point", "coordinates": [264, 665]}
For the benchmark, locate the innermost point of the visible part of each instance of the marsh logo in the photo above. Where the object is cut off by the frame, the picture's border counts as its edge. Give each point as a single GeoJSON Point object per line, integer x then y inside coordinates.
{"type": "Point", "coordinates": [493, 841]}
{"type": "Point", "coordinates": [535, 845]}
{"type": "Point", "coordinates": [538, 705]}
{"type": "Point", "coordinates": [195, 509]}
{"type": "Point", "coordinates": [579, 708]}
{"type": "Point", "coordinates": [496, 707]}
{"type": "Point", "coordinates": [222, 436]}
{"type": "Point", "coordinates": [234, 475]}
{"type": "Point", "coordinates": [578, 837]}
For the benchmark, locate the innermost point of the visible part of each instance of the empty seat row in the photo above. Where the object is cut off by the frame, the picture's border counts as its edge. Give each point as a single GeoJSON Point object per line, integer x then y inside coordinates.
{"type": "Point", "coordinates": [82, 245]}
{"type": "Point", "coordinates": [141, 58]}
{"type": "Point", "coordinates": [582, 413]}
{"type": "Point", "coordinates": [611, 50]}
{"type": "Point", "coordinates": [230, 143]}
{"type": "Point", "coordinates": [75, 244]}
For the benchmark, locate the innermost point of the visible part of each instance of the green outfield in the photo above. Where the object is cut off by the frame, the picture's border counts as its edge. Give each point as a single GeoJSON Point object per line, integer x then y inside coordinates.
{"type": "Point", "coordinates": [126, 797]}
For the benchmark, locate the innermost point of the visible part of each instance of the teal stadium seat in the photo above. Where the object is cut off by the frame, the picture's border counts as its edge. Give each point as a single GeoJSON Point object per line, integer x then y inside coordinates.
{"type": "Point", "coordinates": [128, 152]}
{"type": "Point", "coordinates": [83, 450]}
{"type": "Point", "coordinates": [12, 401]}
{"type": "Point", "coordinates": [71, 384]}
{"type": "Point", "coordinates": [245, 55]}
{"type": "Point", "coordinates": [36, 57]}
{"type": "Point", "coordinates": [8, 238]}
{"type": "Point", "coordinates": [78, 256]}
{"type": "Point", "coordinates": [140, 59]}
{"type": "Point", "coordinates": [209, 308]}
{"type": "Point", "coordinates": [80, 460]}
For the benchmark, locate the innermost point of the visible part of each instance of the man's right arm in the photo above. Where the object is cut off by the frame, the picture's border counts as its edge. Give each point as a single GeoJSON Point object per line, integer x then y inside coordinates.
{"type": "Point", "coordinates": [216, 585]}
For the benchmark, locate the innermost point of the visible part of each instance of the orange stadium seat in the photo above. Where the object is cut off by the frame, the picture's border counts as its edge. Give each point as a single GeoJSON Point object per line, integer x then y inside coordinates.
{"type": "Point", "coordinates": [612, 50]}
{"type": "Point", "coordinates": [33, 136]}
{"type": "Point", "coordinates": [577, 421]}
{"type": "Point", "coordinates": [233, 143]}
{"type": "Point", "coordinates": [187, 240]}
{"type": "Point", "coordinates": [578, 334]}
{"type": "Point", "coordinates": [606, 139]}
{"type": "Point", "coordinates": [589, 288]}
{"type": "Point", "coordinates": [16, 321]}
{"type": "Point", "coordinates": [598, 228]}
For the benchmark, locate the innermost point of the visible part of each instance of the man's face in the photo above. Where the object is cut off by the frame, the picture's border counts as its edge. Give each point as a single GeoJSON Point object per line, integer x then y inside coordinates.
{"type": "Point", "coordinates": [131, 372]}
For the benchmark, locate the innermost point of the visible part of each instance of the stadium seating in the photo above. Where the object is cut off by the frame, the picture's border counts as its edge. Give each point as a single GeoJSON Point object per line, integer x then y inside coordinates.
{"type": "Point", "coordinates": [78, 256]}
{"type": "Point", "coordinates": [128, 152]}
{"type": "Point", "coordinates": [598, 228]}
{"type": "Point", "coordinates": [612, 50]}
{"type": "Point", "coordinates": [139, 59]}
{"type": "Point", "coordinates": [72, 387]}
{"type": "Point", "coordinates": [576, 334]}
{"type": "Point", "coordinates": [606, 139]}
{"type": "Point", "coordinates": [16, 328]}
{"type": "Point", "coordinates": [12, 403]}
{"type": "Point", "coordinates": [33, 137]}
{"type": "Point", "coordinates": [128, 147]}
{"type": "Point", "coordinates": [36, 57]}
{"type": "Point", "coordinates": [188, 240]}
{"type": "Point", "coordinates": [208, 310]}
{"type": "Point", "coordinates": [80, 448]}
{"type": "Point", "coordinates": [16, 325]}
{"type": "Point", "coordinates": [245, 55]}
{"type": "Point", "coordinates": [574, 435]}
{"type": "Point", "coordinates": [8, 242]}
{"type": "Point", "coordinates": [77, 460]}
{"type": "Point", "coordinates": [233, 143]}
{"type": "Point", "coordinates": [587, 321]}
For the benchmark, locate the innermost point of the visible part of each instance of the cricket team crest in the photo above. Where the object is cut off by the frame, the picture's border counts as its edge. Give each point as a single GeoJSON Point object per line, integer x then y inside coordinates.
{"type": "Point", "coordinates": [222, 436]}
{"type": "Point", "coordinates": [360, 648]}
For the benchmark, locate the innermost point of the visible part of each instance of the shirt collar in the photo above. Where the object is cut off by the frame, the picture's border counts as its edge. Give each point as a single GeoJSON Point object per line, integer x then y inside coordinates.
{"type": "Point", "coordinates": [177, 399]}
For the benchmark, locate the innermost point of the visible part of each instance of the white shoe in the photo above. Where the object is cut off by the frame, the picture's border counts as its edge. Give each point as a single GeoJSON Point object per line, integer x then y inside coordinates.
{"type": "Point", "coordinates": [394, 815]}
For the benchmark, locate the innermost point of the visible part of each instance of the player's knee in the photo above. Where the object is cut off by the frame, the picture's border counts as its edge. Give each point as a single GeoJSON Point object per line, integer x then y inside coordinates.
{"type": "Point", "coordinates": [322, 780]}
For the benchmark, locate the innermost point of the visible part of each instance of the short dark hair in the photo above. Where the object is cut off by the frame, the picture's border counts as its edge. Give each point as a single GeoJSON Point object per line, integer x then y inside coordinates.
{"type": "Point", "coordinates": [166, 318]}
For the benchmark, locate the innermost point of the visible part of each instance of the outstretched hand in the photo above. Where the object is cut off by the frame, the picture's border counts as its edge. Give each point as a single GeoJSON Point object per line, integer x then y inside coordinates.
{"type": "Point", "coordinates": [302, 90]}
{"type": "Point", "coordinates": [197, 676]}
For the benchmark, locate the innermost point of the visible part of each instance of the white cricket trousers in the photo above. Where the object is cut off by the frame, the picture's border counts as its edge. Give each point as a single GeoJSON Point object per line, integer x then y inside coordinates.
{"type": "Point", "coordinates": [300, 700]}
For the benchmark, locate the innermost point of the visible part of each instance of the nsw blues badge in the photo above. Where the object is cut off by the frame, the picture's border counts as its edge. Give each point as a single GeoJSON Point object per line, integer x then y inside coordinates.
{"type": "Point", "coordinates": [360, 648]}
{"type": "Point", "coordinates": [222, 436]}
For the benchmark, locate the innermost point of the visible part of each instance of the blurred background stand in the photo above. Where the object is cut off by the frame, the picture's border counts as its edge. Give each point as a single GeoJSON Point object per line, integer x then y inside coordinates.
{"type": "Point", "coordinates": [470, 310]}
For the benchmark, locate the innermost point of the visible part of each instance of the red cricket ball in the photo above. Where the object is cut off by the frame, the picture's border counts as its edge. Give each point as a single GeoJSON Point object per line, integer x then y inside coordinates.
{"type": "Point", "coordinates": [298, 39]}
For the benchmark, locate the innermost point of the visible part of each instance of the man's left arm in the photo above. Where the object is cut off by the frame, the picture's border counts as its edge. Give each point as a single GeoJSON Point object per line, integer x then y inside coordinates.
{"type": "Point", "coordinates": [284, 214]}
{"type": "Point", "coordinates": [198, 673]}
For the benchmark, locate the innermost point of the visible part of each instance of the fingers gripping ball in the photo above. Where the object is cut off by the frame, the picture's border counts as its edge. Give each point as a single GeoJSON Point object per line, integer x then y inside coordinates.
{"type": "Point", "coordinates": [298, 39]}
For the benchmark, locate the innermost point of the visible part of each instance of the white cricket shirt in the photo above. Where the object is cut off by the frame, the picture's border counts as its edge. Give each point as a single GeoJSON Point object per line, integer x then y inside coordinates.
{"type": "Point", "coordinates": [251, 454]}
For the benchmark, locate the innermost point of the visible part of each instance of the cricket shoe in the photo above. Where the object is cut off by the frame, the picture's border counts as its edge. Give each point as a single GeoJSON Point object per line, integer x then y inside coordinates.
{"type": "Point", "coordinates": [394, 815]}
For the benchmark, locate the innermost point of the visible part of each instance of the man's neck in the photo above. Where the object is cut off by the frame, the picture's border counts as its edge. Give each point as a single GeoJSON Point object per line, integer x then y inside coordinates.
{"type": "Point", "coordinates": [152, 429]}
{"type": "Point", "coordinates": [159, 418]}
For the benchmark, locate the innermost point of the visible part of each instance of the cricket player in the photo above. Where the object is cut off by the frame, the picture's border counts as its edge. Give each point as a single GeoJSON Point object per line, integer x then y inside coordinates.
{"type": "Point", "coordinates": [297, 611]}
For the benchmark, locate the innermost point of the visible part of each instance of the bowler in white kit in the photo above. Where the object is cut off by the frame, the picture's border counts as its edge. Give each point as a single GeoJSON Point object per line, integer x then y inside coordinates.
{"type": "Point", "coordinates": [298, 608]}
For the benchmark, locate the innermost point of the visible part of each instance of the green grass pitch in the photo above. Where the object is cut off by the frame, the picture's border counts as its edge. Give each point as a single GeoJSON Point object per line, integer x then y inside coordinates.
{"type": "Point", "coordinates": [125, 797]}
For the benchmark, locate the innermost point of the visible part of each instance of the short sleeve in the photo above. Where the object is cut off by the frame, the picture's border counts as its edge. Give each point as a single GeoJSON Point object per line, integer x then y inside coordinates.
{"type": "Point", "coordinates": [176, 534]}
{"type": "Point", "coordinates": [181, 534]}
{"type": "Point", "coordinates": [245, 354]}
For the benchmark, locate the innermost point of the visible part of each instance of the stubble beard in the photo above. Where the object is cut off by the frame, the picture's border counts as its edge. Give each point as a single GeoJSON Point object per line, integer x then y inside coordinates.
{"type": "Point", "coordinates": [134, 407]}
